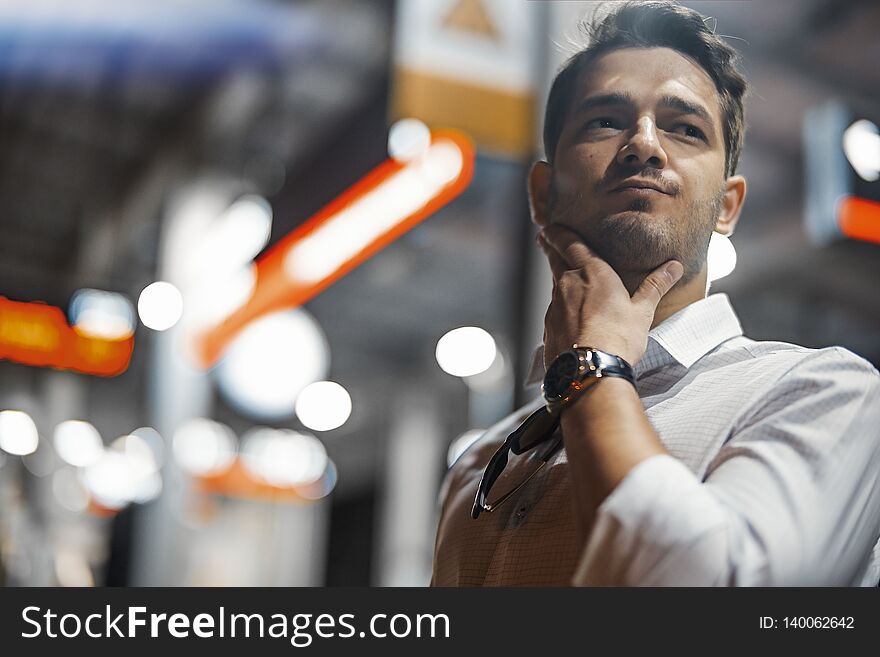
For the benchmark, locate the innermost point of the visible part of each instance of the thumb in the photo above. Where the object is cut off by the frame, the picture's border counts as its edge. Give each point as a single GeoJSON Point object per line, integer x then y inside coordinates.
{"type": "Point", "coordinates": [659, 282]}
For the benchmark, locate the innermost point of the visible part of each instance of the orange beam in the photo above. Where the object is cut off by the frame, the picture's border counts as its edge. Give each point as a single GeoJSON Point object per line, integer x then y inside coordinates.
{"type": "Point", "coordinates": [238, 482]}
{"type": "Point", "coordinates": [38, 334]}
{"type": "Point", "coordinates": [275, 290]}
{"type": "Point", "coordinates": [859, 218]}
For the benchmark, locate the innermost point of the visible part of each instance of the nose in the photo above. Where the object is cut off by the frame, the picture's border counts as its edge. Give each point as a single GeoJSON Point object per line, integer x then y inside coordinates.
{"type": "Point", "coordinates": [643, 148]}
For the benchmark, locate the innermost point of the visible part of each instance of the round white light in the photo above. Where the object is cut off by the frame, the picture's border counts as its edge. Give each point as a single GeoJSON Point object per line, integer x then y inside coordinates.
{"type": "Point", "coordinates": [126, 472]}
{"type": "Point", "coordinates": [109, 480]}
{"type": "Point", "coordinates": [148, 488]}
{"type": "Point", "coordinates": [204, 447]}
{"type": "Point", "coordinates": [861, 144]}
{"type": "Point", "coordinates": [408, 139]}
{"type": "Point", "coordinates": [465, 351]}
{"type": "Point", "coordinates": [140, 456]}
{"type": "Point", "coordinates": [323, 405]}
{"type": "Point", "coordinates": [18, 433]}
{"type": "Point", "coordinates": [78, 443]}
{"type": "Point", "coordinates": [270, 362]}
{"type": "Point", "coordinates": [283, 458]}
{"type": "Point", "coordinates": [100, 314]}
{"type": "Point", "coordinates": [721, 258]}
{"type": "Point", "coordinates": [160, 306]}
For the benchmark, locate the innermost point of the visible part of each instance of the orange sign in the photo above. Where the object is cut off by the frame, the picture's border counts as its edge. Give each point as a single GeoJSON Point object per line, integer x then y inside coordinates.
{"type": "Point", "coordinates": [38, 334]}
{"type": "Point", "coordinates": [859, 218]}
{"type": "Point", "coordinates": [387, 202]}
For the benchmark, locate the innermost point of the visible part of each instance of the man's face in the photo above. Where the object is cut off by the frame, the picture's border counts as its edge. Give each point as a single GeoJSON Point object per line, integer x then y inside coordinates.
{"type": "Point", "coordinates": [640, 117]}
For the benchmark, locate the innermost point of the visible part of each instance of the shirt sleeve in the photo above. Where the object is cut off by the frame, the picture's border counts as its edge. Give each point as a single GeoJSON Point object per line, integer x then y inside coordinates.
{"type": "Point", "coordinates": [793, 497]}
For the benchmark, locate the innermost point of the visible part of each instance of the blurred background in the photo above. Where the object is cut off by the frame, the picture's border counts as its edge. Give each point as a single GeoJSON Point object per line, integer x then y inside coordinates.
{"type": "Point", "coordinates": [254, 299]}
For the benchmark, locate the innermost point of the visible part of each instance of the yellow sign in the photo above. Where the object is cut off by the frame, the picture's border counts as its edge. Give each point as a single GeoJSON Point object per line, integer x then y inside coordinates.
{"type": "Point", "coordinates": [470, 65]}
{"type": "Point", "coordinates": [470, 16]}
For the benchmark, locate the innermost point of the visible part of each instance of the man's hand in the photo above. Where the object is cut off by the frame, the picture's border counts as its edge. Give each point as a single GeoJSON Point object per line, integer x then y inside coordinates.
{"type": "Point", "coordinates": [591, 307]}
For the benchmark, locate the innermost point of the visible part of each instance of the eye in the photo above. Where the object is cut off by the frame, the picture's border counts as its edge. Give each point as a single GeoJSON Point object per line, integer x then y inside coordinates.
{"type": "Point", "coordinates": [603, 122]}
{"type": "Point", "coordinates": [690, 131]}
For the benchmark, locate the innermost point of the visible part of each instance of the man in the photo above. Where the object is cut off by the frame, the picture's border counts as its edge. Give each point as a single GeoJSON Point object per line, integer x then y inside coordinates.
{"type": "Point", "coordinates": [701, 457]}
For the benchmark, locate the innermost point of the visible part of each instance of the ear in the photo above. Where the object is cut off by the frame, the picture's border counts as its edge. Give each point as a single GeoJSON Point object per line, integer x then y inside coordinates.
{"type": "Point", "coordinates": [731, 207]}
{"type": "Point", "coordinates": [540, 176]}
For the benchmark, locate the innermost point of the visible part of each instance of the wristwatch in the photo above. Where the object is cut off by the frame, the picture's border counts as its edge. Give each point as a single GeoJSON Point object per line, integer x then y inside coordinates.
{"type": "Point", "coordinates": [575, 370]}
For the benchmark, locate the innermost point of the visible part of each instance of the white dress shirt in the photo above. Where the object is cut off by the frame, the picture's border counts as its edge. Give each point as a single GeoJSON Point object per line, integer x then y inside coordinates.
{"type": "Point", "coordinates": [773, 472]}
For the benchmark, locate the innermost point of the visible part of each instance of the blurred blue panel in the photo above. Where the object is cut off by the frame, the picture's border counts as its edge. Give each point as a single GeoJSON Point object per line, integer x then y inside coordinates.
{"type": "Point", "coordinates": [65, 43]}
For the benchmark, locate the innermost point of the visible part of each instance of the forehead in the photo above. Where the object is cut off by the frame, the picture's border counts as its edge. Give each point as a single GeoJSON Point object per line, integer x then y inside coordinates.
{"type": "Point", "coordinates": [649, 74]}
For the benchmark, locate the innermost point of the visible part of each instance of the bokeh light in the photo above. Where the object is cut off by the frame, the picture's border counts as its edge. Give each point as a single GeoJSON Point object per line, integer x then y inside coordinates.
{"type": "Point", "coordinates": [408, 139]}
{"type": "Point", "coordinates": [323, 406]}
{"type": "Point", "coordinates": [282, 457]}
{"type": "Point", "coordinates": [109, 481]}
{"type": "Point", "coordinates": [270, 362]}
{"type": "Point", "coordinates": [861, 144]}
{"type": "Point", "coordinates": [18, 433]}
{"type": "Point", "coordinates": [78, 443]}
{"type": "Point", "coordinates": [100, 314]}
{"type": "Point", "coordinates": [721, 258]}
{"type": "Point", "coordinates": [465, 351]}
{"type": "Point", "coordinates": [160, 306]}
{"type": "Point", "coordinates": [204, 447]}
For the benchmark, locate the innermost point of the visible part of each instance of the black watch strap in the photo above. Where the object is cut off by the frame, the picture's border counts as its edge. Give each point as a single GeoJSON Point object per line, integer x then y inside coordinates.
{"type": "Point", "coordinates": [621, 369]}
{"type": "Point", "coordinates": [606, 365]}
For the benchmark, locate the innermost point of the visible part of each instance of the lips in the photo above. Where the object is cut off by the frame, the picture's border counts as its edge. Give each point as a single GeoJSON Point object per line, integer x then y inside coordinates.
{"type": "Point", "coordinates": [643, 186]}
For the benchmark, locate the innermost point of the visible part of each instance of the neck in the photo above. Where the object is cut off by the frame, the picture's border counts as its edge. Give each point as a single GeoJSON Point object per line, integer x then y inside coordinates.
{"type": "Point", "coordinates": [681, 296]}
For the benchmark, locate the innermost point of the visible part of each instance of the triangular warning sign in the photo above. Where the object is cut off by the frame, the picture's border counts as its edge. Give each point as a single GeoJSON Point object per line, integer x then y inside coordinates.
{"type": "Point", "coordinates": [470, 16]}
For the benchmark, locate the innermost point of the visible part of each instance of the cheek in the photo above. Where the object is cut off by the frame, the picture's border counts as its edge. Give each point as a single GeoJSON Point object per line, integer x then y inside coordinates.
{"type": "Point", "coordinates": [698, 189]}
{"type": "Point", "coordinates": [593, 158]}
{"type": "Point", "coordinates": [580, 169]}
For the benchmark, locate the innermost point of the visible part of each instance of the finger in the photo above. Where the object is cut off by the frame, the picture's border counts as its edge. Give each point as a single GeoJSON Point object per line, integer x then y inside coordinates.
{"type": "Point", "coordinates": [558, 266]}
{"type": "Point", "coordinates": [658, 283]}
{"type": "Point", "coordinates": [577, 255]}
{"type": "Point", "coordinates": [569, 245]}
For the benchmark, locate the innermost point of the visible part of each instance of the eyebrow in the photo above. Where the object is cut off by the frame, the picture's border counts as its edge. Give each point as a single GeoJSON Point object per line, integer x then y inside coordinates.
{"type": "Point", "coordinates": [617, 98]}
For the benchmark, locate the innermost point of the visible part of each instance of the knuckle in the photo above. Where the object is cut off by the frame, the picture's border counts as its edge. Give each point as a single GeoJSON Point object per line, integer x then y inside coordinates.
{"type": "Point", "coordinates": [656, 284]}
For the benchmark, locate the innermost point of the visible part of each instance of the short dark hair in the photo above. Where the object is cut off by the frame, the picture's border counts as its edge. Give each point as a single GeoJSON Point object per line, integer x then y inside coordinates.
{"type": "Point", "coordinates": [655, 24]}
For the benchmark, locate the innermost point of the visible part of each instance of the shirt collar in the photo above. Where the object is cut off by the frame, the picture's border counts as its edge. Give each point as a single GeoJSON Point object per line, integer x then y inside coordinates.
{"type": "Point", "coordinates": [682, 338]}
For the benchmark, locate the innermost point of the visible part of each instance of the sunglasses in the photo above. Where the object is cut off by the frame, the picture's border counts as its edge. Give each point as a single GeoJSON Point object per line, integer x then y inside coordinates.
{"type": "Point", "coordinates": [537, 429]}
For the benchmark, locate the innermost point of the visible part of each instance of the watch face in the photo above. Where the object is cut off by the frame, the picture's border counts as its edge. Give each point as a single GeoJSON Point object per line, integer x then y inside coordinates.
{"type": "Point", "coordinates": [560, 375]}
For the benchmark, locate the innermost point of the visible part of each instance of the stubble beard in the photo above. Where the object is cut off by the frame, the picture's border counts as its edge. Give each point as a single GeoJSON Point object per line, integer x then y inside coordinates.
{"type": "Point", "coordinates": [634, 242]}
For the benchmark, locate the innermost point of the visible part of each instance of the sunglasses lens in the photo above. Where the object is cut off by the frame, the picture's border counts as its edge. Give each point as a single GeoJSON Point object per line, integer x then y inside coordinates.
{"type": "Point", "coordinates": [496, 466]}
{"type": "Point", "coordinates": [538, 428]}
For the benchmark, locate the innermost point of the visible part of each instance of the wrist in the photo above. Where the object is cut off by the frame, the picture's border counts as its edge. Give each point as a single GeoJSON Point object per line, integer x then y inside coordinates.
{"type": "Point", "coordinates": [575, 370]}
{"type": "Point", "coordinates": [597, 394]}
